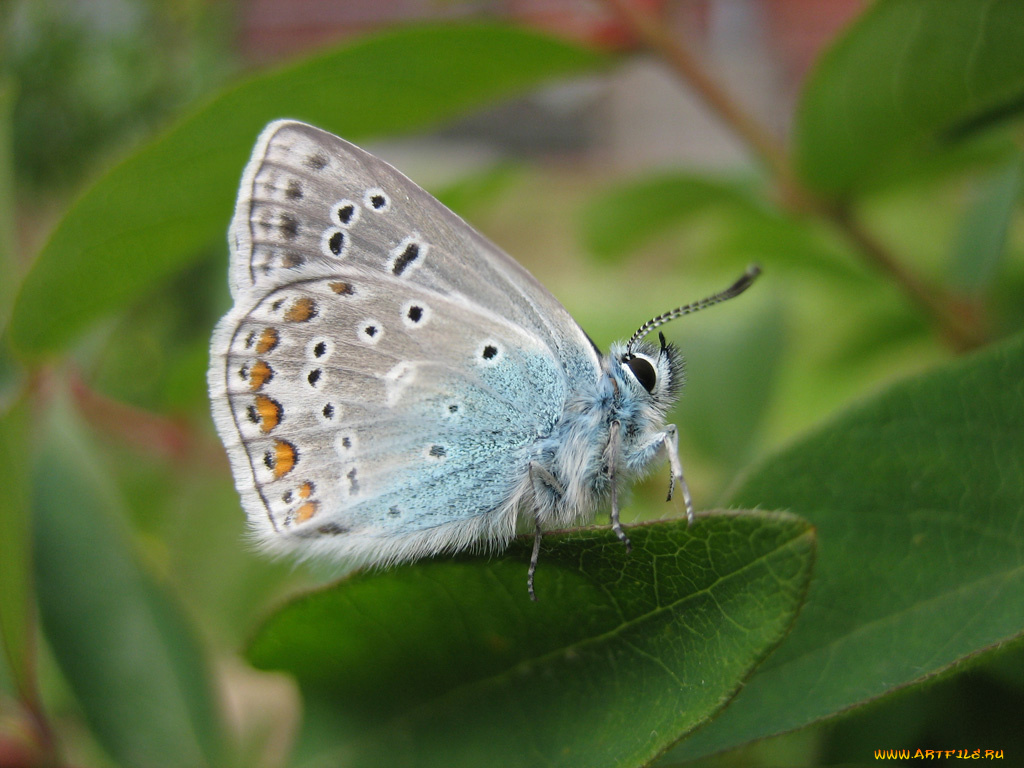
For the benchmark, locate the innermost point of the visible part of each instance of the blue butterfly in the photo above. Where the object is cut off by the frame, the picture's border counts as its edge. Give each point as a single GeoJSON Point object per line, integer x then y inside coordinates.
{"type": "Point", "coordinates": [390, 385]}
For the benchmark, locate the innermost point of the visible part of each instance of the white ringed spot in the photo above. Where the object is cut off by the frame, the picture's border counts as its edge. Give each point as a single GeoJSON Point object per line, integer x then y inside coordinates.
{"type": "Point", "coordinates": [345, 213]}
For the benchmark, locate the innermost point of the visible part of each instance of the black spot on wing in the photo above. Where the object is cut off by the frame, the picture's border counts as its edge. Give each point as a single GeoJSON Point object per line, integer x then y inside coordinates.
{"type": "Point", "coordinates": [288, 226]}
{"type": "Point", "coordinates": [406, 258]}
{"type": "Point", "coordinates": [336, 243]}
{"type": "Point", "coordinates": [317, 161]}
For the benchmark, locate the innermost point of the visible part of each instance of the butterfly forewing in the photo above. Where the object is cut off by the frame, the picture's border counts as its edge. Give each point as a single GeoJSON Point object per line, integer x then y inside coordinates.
{"type": "Point", "coordinates": [385, 369]}
{"type": "Point", "coordinates": [307, 196]}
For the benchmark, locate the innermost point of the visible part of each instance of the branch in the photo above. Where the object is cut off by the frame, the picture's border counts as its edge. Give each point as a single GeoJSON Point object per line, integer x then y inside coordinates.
{"type": "Point", "coordinates": [157, 435]}
{"type": "Point", "coordinates": [958, 322]}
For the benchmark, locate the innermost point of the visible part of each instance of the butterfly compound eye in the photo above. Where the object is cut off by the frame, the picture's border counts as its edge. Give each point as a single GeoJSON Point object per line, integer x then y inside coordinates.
{"type": "Point", "coordinates": [643, 371]}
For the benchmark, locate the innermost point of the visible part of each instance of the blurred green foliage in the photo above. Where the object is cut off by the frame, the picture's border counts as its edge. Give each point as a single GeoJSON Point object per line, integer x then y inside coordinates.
{"type": "Point", "coordinates": [131, 607]}
{"type": "Point", "coordinates": [96, 77]}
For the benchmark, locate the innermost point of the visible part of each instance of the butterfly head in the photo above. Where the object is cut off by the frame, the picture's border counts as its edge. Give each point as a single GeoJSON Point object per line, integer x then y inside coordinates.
{"type": "Point", "coordinates": [654, 371]}
{"type": "Point", "coordinates": [658, 372]}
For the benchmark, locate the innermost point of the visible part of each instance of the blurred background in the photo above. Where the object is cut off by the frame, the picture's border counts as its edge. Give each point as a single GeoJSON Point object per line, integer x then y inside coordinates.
{"type": "Point", "coordinates": [85, 84]}
{"type": "Point", "coordinates": [93, 81]}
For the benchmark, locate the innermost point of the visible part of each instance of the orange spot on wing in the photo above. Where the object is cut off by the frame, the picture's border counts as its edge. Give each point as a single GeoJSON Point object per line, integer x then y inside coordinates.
{"type": "Point", "coordinates": [301, 310]}
{"type": "Point", "coordinates": [285, 457]}
{"type": "Point", "coordinates": [306, 490]}
{"type": "Point", "coordinates": [269, 411]}
{"type": "Point", "coordinates": [341, 287]}
{"type": "Point", "coordinates": [306, 511]}
{"type": "Point", "coordinates": [259, 374]}
{"type": "Point", "coordinates": [268, 341]}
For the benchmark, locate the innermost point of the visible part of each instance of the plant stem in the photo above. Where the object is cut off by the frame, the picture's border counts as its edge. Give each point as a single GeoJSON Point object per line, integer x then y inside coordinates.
{"type": "Point", "coordinates": [958, 322]}
{"type": "Point", "coordinates": [43, 733]}
{"type": "Point", "coordinates": [159, 435]}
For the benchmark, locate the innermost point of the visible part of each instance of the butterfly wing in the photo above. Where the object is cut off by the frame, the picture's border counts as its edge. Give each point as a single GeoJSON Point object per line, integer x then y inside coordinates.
{"type": "Point", "coordinates": [385, 370]}
{"type": "Point", "coordinates": [307, 196]}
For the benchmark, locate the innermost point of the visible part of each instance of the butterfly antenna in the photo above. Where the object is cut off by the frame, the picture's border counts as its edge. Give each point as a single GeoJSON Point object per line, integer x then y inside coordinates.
{"type": "Point", "coordinates": [732, 291]}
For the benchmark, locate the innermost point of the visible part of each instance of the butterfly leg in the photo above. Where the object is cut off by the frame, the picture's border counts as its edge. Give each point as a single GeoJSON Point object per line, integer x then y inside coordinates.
{"type": "Point", "coordinates": [611, 456]}
{"type": "Point", "coordinates": [542, 479]}
{"type": "Point", "coordinates": [538, 534]}
{"type": "Point", "coordinates": [670, 441]}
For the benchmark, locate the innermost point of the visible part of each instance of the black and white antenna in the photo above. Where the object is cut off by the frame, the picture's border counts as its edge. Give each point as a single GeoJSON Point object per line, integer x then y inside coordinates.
{"type": "Point", "coordinates": [731, 292]}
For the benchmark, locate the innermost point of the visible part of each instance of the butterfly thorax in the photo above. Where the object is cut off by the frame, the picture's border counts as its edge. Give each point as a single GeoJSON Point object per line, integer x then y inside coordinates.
{"type": "Point", "coordinates": [607, 432]}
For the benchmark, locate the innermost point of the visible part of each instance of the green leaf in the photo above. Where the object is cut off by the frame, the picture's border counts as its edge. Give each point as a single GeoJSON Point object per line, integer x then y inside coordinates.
{"type": "Point", "coordinates": [733, 368]}
{"type": "Point", "coordinates": [776, 240]}
{"type": "Point", "coordinates": [626, 216]}
{"type": "Point", "coordinates": [917, 497]}
{"type": "Point", "coordinates": [479, 189]}
{"type": "Point", "coordinates": [121, 641]}
{"type": "Point", "coordinates": [150, 215]}
{"type": "Point", "coordinates": [973, 706]}
{"type": "Point", "coordinates": [9, 266]}
{"type": "Point", "coordinates": [448, 663]}
{"type": "Point", "coordinates": [15, 551]}
{"type": "Point", "coordinates": [981, 242]}
{"type": "Point", "coordinates": [906, 75]}
{"type": "Point", "coordinates": [622, 218]}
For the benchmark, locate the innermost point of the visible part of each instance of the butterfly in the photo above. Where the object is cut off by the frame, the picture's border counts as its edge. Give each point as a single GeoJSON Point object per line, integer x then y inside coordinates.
{"type": "Point", "coordinates": [389, 385]}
